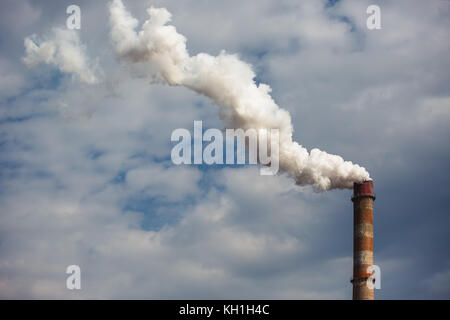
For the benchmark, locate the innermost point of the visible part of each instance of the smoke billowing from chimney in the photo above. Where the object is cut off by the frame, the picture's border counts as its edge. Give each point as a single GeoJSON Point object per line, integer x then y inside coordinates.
{"type": "Point", "coordinates": [226, 79]}
{"type": "Point", "coordinates": [229, 82]}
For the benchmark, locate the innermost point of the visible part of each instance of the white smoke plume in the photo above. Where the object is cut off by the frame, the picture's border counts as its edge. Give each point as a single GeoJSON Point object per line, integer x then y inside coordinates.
{"type": "Point", "coordinates": [64, 50]}
{"type": "Point", "coordinates": [229, 82]}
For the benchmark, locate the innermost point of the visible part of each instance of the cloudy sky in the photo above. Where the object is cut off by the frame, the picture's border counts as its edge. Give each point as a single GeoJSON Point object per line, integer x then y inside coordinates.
{"type": "Point", "coordinates": [86, 176]}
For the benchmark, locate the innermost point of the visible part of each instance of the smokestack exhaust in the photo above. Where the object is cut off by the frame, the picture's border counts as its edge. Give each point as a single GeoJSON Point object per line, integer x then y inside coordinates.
{"type": "Point", "coordinates": [363, 198]}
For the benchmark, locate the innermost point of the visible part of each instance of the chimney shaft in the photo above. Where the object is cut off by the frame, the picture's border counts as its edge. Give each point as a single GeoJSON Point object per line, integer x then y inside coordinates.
{"type": "Point", "coordinates": [363, 198]}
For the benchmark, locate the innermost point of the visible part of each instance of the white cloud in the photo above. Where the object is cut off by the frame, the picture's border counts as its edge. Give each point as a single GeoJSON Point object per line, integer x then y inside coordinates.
{"type": "Point", "coordinates": [65, 51]}
{"type": "Point", "coordinates": [11, 81]}
{"type": "Point", "coordinates": [173, 183]}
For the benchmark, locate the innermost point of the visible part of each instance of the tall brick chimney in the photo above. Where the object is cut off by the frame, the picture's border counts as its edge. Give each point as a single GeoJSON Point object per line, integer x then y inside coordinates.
{"type": "Point", "coordinates": [363, 198]}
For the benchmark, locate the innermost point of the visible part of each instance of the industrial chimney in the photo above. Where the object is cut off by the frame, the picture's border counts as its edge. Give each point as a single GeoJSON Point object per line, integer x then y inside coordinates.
{"type": "Point", "coordinates": [363, 198]}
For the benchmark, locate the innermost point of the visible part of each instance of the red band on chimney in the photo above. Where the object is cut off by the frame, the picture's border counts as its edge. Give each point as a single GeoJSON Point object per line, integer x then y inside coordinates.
{"type": "Point", "coordinates": [363, 189]}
